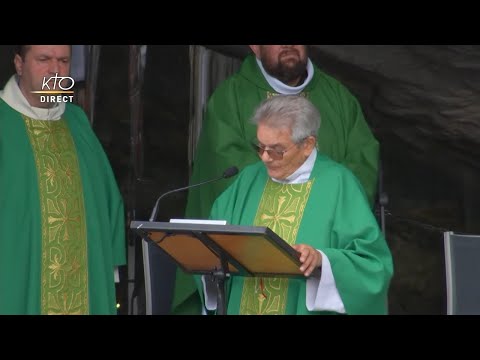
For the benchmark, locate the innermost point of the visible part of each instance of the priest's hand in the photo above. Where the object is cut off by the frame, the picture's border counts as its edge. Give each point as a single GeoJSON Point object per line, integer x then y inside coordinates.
{"type": "Point", "coordinates": [309, 257]}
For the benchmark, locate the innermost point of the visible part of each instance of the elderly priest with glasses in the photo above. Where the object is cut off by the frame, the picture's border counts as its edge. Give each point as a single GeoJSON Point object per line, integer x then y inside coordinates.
{"type": "Point", "coordinates": [317, 206]}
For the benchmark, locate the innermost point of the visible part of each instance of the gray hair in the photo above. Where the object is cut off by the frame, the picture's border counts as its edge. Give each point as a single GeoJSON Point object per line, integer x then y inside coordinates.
{"type": "Point", "coordinates": [292, 111]}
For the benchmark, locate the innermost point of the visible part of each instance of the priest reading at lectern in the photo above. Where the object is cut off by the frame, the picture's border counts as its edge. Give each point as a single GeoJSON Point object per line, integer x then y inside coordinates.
{"type": "Point", "coordinates": [317, 206]}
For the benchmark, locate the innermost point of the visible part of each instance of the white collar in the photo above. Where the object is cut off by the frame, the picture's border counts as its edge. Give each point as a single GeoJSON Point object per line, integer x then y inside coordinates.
{"type": "Point", "coordinates": [282, 88]}
{"type": "Point", "coordinates": [13, 96]}
{"type": "Point", "coordinates": [302, 174]}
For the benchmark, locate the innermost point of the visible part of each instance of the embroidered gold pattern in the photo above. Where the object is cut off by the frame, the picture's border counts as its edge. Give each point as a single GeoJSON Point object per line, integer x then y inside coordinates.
{"type": "Point", "coordinates": [272, 94]}
{"type": "Point", "coordinates": [64, 288]}
{"type": "Point", "coordinates": [281, 209]}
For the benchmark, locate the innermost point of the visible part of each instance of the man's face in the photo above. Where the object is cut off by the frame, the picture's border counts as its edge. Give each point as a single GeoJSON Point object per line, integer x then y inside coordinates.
{"type": "Point", "coordinates": [280, 140]}
{"type": "Point", "coordinates": [285, 62]}
{"type": "Point", "coordinates": [41, 61]}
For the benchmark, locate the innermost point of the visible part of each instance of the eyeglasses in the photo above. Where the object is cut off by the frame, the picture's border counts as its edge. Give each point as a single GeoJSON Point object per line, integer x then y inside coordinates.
{"type": "Point", "coordinates": [274, 154]}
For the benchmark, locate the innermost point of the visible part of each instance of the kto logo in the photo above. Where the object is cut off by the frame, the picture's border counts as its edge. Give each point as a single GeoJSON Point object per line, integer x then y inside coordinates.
{"type": "Point", "coordinates": [56, 88]}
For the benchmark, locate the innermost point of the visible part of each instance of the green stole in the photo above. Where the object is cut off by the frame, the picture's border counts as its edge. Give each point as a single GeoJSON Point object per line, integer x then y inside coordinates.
{"type": "Point", "coordinates": [64, 269]}
{"type": "Point", "coordinates": [281, 209]}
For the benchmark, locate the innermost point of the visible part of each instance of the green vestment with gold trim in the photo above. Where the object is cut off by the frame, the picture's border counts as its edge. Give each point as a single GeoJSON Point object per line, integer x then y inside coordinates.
{"type": "Point", "coordinates": [329, 212]}
{"type": "Point", "coordinates": [62, 221]}
{"type": "Point", "coordinates": [226, 136]}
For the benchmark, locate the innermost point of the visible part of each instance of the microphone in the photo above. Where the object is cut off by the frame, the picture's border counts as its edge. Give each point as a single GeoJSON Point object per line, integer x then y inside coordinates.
{"type": "Point", "coordinates": [231, 171]}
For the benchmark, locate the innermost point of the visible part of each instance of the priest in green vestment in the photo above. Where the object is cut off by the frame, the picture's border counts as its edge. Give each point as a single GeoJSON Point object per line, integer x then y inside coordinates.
{"type": "Point", "coordinates": [62, 231]}
{"type": "Point", "coordinates": [318, 207]}
{"type": "Point", "coordinates": [226, 132]}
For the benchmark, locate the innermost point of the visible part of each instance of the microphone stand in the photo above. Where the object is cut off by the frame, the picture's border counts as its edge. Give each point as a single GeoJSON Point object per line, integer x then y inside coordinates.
{"type": "Point", "coordinates": [155, 208]}
{"type": "Point", "coordinates": [220, 275]}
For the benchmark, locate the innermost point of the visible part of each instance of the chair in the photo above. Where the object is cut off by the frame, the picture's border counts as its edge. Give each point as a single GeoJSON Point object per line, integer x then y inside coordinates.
{"type": "Point", "coordinates": [381, 200]}
{"type": "Point", "coordinates": [159, 270]}
{"type": "Point", "coordinates": [462, 268]}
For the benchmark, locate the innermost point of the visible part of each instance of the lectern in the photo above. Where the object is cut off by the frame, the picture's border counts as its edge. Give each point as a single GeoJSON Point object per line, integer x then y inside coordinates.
{"type": "Point", "coordinates": [222, 251]}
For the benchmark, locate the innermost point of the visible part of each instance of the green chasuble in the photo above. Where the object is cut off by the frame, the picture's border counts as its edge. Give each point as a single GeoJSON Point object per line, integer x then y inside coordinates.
{"type": "Point", "coordinates": [227, 134]}
{"type": "Point", "coordinates": [329, 212]}
{"type": "Point", "coordinates": [62, 224]}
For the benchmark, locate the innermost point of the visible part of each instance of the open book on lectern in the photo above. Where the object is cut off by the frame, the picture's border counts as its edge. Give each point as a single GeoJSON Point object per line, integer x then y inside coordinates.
{"type": "Point", "coordinates": [202, 248]}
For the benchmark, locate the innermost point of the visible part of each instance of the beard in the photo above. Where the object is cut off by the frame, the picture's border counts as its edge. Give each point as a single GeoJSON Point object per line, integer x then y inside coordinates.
{"type": "Point", "coordinates": [288, 67]}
